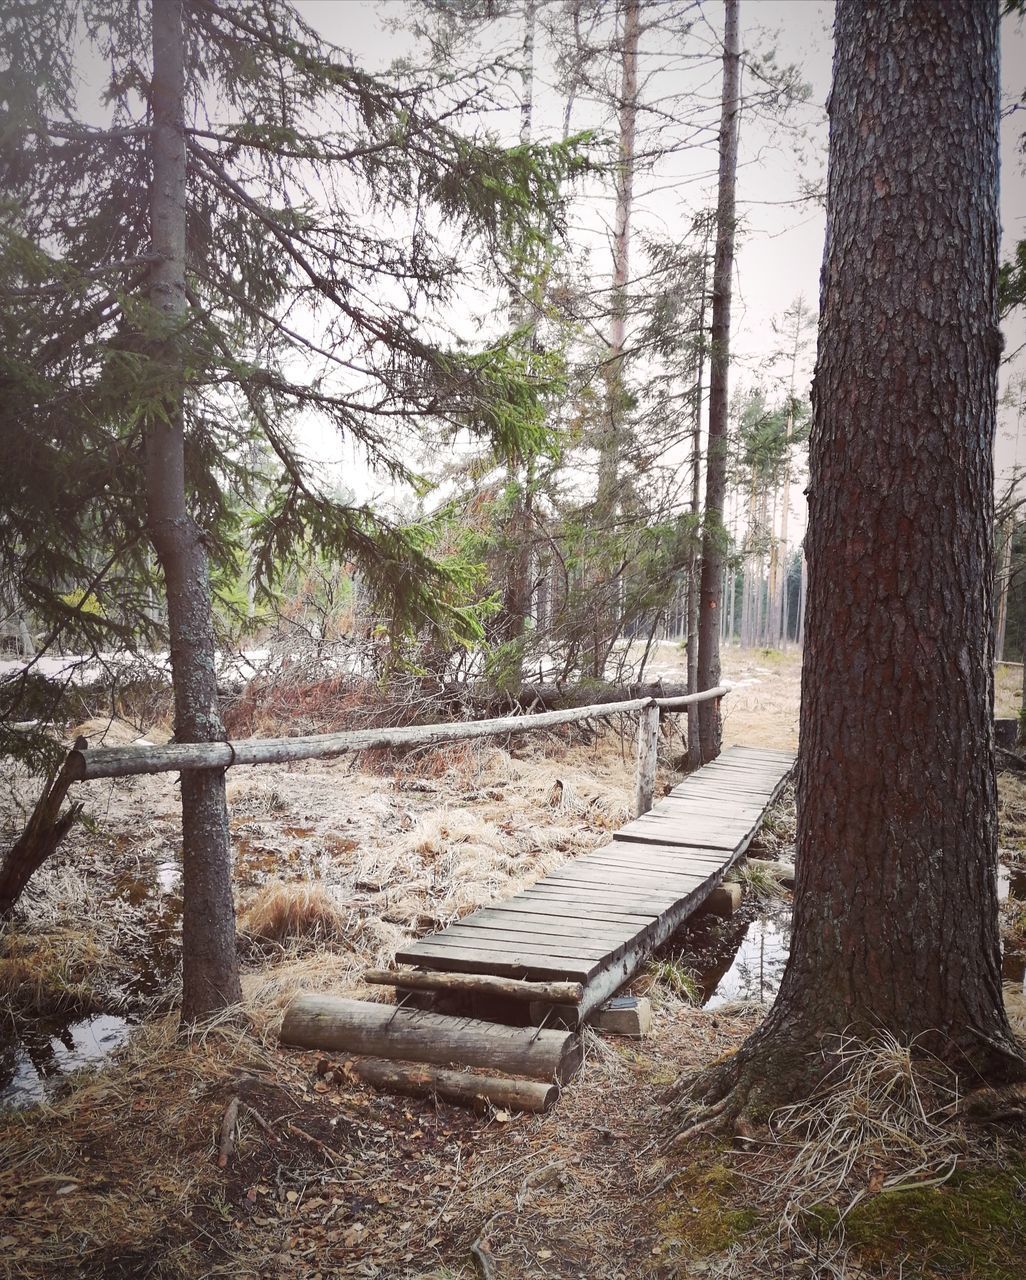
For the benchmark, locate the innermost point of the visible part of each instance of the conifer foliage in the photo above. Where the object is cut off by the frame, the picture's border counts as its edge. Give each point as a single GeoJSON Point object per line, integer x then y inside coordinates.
{"type": "Point", "coordinates": [325, 213]}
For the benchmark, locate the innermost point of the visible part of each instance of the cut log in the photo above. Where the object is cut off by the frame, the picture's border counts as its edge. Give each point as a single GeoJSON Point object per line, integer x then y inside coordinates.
{"type": "Point", "coordinates": [477, 983]}
{"type": "Point", "coordinates": [624, 1016]}
{"type": "Point", "coordinates": [648, 752]}
{"type": "Point", "coordinates": [385, 1031]}
{"type": "Point", "coordinates": [724, 900]}
{"type": "Point", "coordinates": [422, 1081]}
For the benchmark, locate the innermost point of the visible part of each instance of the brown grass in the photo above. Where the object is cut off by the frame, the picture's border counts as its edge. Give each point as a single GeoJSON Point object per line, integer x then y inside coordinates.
{"type": "Point", "coordinates": [279, 912]}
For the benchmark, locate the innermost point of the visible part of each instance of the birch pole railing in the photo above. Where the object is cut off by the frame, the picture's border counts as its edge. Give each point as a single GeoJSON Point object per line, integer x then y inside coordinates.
{"type": "Point", "coordinates": [123, 762]}
{"type": "Point", "coordinates": [46, 828]}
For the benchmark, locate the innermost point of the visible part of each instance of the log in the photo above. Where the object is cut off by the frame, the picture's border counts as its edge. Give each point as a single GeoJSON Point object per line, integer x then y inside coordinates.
{"type": "Point", "coordinates": [542, 696]}
{"type": "Point", "coordinates": [478, 984]}
{"type": "Point", "coordinates": [124, 762]}
{"type": "Point", "coordinates": [385, 1031]}
{"type": "Point", "coordinates": [422, 1081]}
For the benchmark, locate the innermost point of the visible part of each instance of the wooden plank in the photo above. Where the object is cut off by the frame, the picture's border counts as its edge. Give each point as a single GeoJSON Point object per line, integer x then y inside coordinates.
{"type": "Point", "coordinates": [475, 960]}
{"type": "Point", "coordinates": [642, 902]}
{"type": "Point", "coordinates": [630, 850]}
{"type": "Point", "coordinates": [547, 927]}
{"type": "Point", "coordinates": [576, 942]}
{"type": "Point", "coordinates": [689, 827]}
{"type": "Point", "coordinates": [674, 866]}
{"type": "Point", "coordinates": [531, 906]}
{"type": "Point", "coordinates": [628, 880]}
{"type": "Point", "coordinates": [672, 806]}
{"type": "Point", "coordinates": [517, 946]}
{"type": "Point", "coordinates": [705, 839]}
{"type": "Point", "coordinates": [620, 872]}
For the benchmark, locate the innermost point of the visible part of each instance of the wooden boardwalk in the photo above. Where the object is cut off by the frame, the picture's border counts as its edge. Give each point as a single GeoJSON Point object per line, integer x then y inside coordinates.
{"type": "Point", "coordinates": [596, 919]}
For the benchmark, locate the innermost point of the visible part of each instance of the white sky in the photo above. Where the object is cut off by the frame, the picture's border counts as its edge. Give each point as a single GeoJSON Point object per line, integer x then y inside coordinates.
{"type": "Point", "coordinates": [781, 245]}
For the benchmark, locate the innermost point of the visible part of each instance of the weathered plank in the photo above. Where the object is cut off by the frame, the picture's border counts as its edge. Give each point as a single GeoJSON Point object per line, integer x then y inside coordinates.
{"type": "Point", "coordinates": [595, 919]}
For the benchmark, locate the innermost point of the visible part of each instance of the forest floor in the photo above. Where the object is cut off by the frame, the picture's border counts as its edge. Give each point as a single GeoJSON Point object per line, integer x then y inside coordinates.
{"type": "Point", "coordinates": [112, 1171]}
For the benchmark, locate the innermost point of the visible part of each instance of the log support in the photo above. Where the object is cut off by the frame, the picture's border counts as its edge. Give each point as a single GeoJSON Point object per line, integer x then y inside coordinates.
{"type": "Point", "coordinates": [648, 748]}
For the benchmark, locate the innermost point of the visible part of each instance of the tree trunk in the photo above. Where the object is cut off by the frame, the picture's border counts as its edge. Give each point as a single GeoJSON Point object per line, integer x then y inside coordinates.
{"type": "Point", "coordinates": [516, 604]}
{"type": "Point", "coordinates": [895, 918]}
{"type": "Point", "coordinates": [803, 586]}
{"type": "Point", "coordinates": [714, 534]}
{"type": "Point", "coordinates": [607, 494]}
{"type": "Point", "coordinates": [694, 564]}
{"type": "Point", "coordinates": [209, 958]}
{"type": "Point", "coordinates": [1004, 579]}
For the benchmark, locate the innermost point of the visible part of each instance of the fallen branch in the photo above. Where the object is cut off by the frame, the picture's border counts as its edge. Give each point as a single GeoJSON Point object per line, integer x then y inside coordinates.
{"type": "Point", "coordinates": [481, 1252]}
{"type": "Point", "coordinates": [228, 1123]}
{"type": "Point", "coordinates": [479, 984]}
{"type": "Point", "coordinates": [43, 832]}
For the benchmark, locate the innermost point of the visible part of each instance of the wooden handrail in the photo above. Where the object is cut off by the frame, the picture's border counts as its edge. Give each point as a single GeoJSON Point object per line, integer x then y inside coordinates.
{"type": "Point", "coordinates": [124, 762]}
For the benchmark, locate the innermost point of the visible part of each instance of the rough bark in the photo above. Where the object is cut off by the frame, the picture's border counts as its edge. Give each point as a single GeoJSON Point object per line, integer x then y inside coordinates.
{"type": "Point", "coordinates": [895, 921]}
{"type": "Point", "coordinates": [713, 534]}
{"type": "Point", "coordinates": [209, 959]}
{"type": "Point", "coordinates": [412, 1035]}
{"type": "Point", "coordinates": [44, 831]}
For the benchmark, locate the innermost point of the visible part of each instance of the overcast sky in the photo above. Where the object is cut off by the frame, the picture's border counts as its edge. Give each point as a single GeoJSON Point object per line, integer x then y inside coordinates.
{"type": "Point", "coordinates": [781, 245]}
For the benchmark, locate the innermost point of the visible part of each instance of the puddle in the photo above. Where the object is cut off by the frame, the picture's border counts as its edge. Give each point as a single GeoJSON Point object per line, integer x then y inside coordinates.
{"type": "Point", "coordinates": [744, 958]}
{"type": "Point", "coordinates": [736, 959]}
{"type": "Point", "coordinates": [1011, 882]}
{"type": "Point", "coordinates": [44, 1050]}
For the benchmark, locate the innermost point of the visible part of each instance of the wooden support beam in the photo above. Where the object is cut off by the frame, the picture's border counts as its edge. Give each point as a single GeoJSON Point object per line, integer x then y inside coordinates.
{"type": "Point", "coordinates": [464, 1087]}
{"type": "Point", "coordinates": [388, 1031]}
{"type": "Point", "coordinates": [477, 984]}
{"type": "Point", "coordinates": [648, 747]}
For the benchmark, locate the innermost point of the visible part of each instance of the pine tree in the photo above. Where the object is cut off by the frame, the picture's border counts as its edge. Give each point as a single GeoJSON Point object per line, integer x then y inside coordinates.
{"type": "Point", "coordinates": [171, 290]}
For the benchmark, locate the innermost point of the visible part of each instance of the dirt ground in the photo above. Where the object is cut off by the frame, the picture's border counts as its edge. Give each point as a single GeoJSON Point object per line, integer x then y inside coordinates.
{"type": "Point", "coordinates": [113, 1172]}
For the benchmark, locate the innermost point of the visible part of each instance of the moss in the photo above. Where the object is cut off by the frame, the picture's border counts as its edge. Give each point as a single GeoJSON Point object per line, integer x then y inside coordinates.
{"type": "Point", "coordinates": [974, 1227]}
{"type": "Point", "coordinates": [702, 1215]}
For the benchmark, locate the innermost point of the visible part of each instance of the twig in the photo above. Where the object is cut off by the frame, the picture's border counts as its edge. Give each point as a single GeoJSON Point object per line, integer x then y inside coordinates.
{"type": "Point", "coordinates": [481, 1252]}
{"type": "Point", "coordinates": [255, 1115]}
{"type": "Point", "coordinates": [231, 1116]}
{"type": "Point", "coordinates": [316, 1142]}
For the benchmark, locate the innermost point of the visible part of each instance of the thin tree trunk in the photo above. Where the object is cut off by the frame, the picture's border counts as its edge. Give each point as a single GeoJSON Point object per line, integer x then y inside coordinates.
{"type": "Point", "coordinates": [714, 533]}
{"type": "Point", "coordinates": [1004, 577]}
{"type": "Point", "coordinates": [516, 604]}
{"type": "Point", "coordinates": [209, 958]}
{"type": "Point", "coordinates": [694, 741]}
{"type": "Point", "coordinates": [607, 495]}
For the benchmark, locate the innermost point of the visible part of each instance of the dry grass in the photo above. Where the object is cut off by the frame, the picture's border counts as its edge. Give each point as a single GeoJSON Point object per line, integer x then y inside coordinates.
{"type": "Point", "coordinates": [117, 1165]}
{"type": "Point", "coordinates": [280, 912]}
{"type": "Point", "coordinates": [879, 1121]}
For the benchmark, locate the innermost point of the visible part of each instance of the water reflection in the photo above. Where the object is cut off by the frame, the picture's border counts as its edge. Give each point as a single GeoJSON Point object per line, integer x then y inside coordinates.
{"type": "Point", "coordinates": [43, 1050]}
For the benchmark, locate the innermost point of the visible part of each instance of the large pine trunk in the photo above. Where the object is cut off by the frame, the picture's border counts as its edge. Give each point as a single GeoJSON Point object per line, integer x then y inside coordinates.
{"type": "Point", "coordinates": [895, 923]}
{"type": "Point", "coordinates": [209, 957]}
{"type": "Point", "coordinates": [714, 534]}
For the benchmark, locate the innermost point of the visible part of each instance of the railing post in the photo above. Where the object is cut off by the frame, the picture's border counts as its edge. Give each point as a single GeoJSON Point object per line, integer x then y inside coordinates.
{"type": "Point", "coordinates": [648, 744]}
